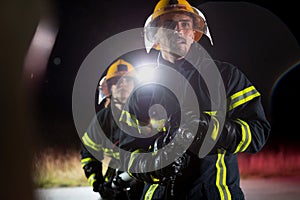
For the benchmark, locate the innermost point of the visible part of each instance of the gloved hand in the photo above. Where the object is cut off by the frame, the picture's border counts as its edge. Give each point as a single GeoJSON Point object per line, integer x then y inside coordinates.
{"type": "Point", "coordinates": [228, 136]}
{"type": "Point", "coordinates": [166, 173]}
{"type": "Point", "coordinates": [174, 153]}
{"type": "Point", "coordinates": [174, 169]}
{"type": "Point", "coordinates": [146, 165]}
{"type": "Point", "coordinates": [93, 171]}
{"type": "Point", "coordinates": [192, 130]}
{"type": "Point", "coordinates": [186, 134]}
{"type": "Point", "coordinates": [107, 192]}
{"type": "Point", "coordinates": [178, 137]}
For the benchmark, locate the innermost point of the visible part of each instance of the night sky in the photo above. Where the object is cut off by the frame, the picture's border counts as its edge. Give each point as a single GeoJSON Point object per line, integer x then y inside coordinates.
{"type": "Point", "coordinates": [261, 38]}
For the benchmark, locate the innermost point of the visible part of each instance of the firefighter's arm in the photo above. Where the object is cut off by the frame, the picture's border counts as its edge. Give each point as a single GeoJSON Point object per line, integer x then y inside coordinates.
{"type": "Point", "coordinates": [247, 130]}
{"type": "Point", "coordinates": [93, 138]}
{"type": "Point", "coordinates": [152, 169]}
{"type": "Point", "coordinates": [92, 169]}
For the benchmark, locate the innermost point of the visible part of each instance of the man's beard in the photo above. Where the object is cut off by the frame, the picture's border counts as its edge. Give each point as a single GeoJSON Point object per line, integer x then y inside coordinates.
{"type": "Point", "coordinates": [178, 46]}
{"type": "Point", "coordinates": [123, 95]}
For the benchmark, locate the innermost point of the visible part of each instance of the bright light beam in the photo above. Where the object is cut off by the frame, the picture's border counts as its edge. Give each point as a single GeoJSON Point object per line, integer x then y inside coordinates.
{"type": "Point", "coordinates": [146, 73]}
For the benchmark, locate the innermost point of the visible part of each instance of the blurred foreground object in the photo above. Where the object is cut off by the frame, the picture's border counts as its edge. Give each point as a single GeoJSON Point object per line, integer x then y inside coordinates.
{"type": "Point", "coordinates": [18, 20]}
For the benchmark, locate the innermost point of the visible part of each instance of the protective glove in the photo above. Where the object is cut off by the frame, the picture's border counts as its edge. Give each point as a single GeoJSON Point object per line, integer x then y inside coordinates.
{"type": "Point", "coordinates": [228, 136]}
{"type": "Point", "coordinates": [107, 192]}
{"type": "Point", "coordinates": [178, 138]}
{"type": "Point", "coordinates": [203, 124]}
{"type": "Point", "coordinates": [93, 172]}
{"type": "Point", "coordinates": [172, 170]}
{"type": "Point", "coordinates": [174, 153]}
{"type": "Point", "coordinates": [191, 131]}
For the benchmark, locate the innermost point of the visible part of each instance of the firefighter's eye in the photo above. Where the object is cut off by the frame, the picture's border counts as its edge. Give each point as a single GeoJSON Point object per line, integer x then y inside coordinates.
{"type": "Point", "coordinates": [169, 24]}
{"type": "Point", "coordinates": [185, 25]}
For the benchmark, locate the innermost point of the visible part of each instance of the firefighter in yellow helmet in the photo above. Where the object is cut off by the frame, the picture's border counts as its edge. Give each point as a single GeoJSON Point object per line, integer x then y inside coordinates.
{"type": "Point", "coordinates": [226, 122]}
{"type": "Point", "coordinates": [120, 79]}
{"type": "Point", "coordinates": [163, 7]}
{"type": "Point", "coordinates": [120, 68]}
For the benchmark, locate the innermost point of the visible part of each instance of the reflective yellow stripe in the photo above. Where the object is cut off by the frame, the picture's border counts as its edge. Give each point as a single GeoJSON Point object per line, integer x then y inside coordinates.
{"type": "Point", "coordinates": [88, 142]}
{"type": "Point", "coordinates": [116, 155]}
{"type": "Point", "coordinates": [110, 173]}
{"type": "Point", "coordinates": [215, 132]}
{"type": "Point", "coordinates": [130, 120]}
{"type": "Point", "coordinates": [221, 177]}
{"type": "Point", "coordinates": [132, 157]}
{"type": "Point", "coordinates": [125, 117]}
{"type": "Point", "coordinates": [92, 179]}
{"type": "Point", "coordinates": [246, 136]}
{"type": "Point", "coordinates": [158, 124]}
{"type": "Point", "coordinates": [111, 153]}
{"type": "Point", "coordinates": [85, 161]}
{"type": "Point", "coordinates": [150, 192]}
{"type": "Point", "coordinates": [154, 179]}
{"type": "Point", "coordinates": [211, 113]}
{"type": "Point", "coordinates": [97, 147]}
{"type": "Point", "coordinates": [242, 97]}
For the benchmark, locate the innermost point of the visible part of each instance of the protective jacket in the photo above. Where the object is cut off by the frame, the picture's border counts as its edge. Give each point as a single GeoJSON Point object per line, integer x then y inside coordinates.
{"type": "Point", "coordinates": [215, 176]}
{"type": "Point", "coordinates": [102, 139]}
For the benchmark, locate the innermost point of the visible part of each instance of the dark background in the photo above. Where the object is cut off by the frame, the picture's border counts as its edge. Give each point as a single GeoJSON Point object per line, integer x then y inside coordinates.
{"type": "Point", "coordinates": [263, 41]}
{"type": "Point", "coordinates": [260, 37]}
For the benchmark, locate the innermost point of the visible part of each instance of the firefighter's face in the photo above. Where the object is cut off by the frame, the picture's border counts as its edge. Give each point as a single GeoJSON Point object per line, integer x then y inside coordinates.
{"type": "Point", "coordinates": [122, 87]}
{"type": "Point", "coordinates": [175, 34]}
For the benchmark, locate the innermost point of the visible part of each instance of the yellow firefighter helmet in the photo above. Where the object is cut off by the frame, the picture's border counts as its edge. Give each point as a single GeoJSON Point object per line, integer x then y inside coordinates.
{"type": "Point", "coordinates": [120, 68]}
{"type": "Point", "coordinates": [168, 6]}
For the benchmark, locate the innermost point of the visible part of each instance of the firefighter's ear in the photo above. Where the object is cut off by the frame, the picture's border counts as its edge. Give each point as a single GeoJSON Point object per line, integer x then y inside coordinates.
{"type": "Point", "coordinates": [194, 34]}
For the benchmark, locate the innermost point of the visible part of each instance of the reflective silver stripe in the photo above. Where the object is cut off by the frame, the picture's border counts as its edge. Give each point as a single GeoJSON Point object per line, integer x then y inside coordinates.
{"type": "Point", "coordinates": [242, 97]}
{"type": "Point", "coordinates": [150, 192]}
{"type": "Point", "coordinates": [89, 142]}
{"type": "Point", "coordinates": [221, 176]}
{"type": "Point", "coordinates": [246, 136]}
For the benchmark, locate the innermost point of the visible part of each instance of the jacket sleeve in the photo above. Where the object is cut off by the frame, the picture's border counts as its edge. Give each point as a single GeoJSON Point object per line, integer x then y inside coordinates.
{"type": "Point", "coordinates": [91, 166]}
{"type": "Point", "coordinates": [92, 142]}
{"type": "Point", "coordinates": [246, 127]}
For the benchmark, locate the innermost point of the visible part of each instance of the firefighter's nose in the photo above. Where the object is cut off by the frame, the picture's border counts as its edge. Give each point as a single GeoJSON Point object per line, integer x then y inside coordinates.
{"type": "Point", "coordinates": [177, 29]}
{"type": "Point", "coordinates": [122, 81]}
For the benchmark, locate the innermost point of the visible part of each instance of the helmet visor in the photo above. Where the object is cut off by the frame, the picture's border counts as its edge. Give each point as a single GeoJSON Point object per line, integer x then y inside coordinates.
{"type": "Point", "coordinates": [199, 26]}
